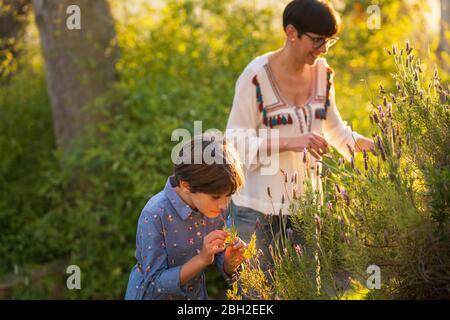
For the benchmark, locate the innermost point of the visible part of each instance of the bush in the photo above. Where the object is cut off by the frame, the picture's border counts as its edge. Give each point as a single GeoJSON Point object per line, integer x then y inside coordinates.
{"type": "Point", "coordinates": [392, 212]}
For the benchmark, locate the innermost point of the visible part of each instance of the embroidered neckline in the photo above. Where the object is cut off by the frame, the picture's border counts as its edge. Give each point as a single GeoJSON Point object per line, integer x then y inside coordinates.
{"type": "Point", "coordinates": [268, 121]}
{"type": "Point", "coordinates": [285, 119]}
{"type": "Point", "coordinates": [275, 86]}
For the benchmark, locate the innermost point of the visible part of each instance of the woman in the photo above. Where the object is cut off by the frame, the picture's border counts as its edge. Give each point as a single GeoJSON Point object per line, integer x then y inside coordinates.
{"type": "Point", "coordinates": [290, 90]}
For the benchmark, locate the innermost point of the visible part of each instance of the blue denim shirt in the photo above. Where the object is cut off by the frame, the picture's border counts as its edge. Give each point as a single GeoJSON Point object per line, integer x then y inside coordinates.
{"type": "Point", "coordinates": [170, 233]}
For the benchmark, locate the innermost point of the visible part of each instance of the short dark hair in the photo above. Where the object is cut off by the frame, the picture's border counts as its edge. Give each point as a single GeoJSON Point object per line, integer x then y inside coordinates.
{"type": "Point", "coordinates": [317, 16]}
{"type": "Point", "coordinates": [224, 177]}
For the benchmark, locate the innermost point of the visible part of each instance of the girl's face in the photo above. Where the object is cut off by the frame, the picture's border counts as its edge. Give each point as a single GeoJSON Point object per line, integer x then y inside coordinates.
{"type": "Point", "coordinates": [210, 205]}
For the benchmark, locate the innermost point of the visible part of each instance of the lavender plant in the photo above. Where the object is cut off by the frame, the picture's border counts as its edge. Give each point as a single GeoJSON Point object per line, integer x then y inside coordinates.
{"type": "Point", "coordinates": [388, 208]}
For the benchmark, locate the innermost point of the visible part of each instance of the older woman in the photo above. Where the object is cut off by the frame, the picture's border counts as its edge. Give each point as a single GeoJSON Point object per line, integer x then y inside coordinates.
{"type": "Point", "coordinates": [290, 90]}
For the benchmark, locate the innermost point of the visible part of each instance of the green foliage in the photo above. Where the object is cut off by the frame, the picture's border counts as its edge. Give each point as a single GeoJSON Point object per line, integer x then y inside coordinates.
{"type": "Point", "coordinates": [84, 205]}
{"type": "Point", "coordinates": [178, 64]}
{"type": "Point", "coordinates": [27, 156]}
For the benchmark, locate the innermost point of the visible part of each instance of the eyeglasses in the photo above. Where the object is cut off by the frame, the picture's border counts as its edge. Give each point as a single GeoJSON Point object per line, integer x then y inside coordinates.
{"type": "Point", "coordinates": [320, 41]}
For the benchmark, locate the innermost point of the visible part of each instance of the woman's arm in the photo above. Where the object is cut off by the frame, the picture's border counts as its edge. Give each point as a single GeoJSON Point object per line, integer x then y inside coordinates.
{"type": "Point", "coordinates": [338, 133]}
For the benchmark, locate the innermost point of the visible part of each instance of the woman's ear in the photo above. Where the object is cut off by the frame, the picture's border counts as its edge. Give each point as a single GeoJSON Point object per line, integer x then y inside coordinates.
{"type": "Point", "coordinates": [291, 32]}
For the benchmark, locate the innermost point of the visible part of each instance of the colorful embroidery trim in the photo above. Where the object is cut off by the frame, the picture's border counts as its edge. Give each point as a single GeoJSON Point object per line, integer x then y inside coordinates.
{"type": "Point", "coordinates": [269, 121]}
{"type": "Point", "coordinates": [259, 97]}
{"type": "Point", "coordinates": [322, 113]}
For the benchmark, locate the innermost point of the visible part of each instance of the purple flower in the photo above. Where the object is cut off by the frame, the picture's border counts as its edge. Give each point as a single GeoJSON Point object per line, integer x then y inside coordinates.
{"type": "Point", "coordinates": [329, 205]}
{"type": "Point", "coordinates": [290, 233]}
{"type": "Point", "coordinates": [381, 147]}
{"type": "Point", "coordinates": [345, 196]}
{"type": "Point", "coordinates": [393, 98]}
{"type": "Point", "coordinates": [380, 110]}
{"type": "Point", "coordinates": [366, 160]}
{"type": "Point", "coordinates": [337, 187]}
{"type": "Point", "coordinates": [375, 117]}
{"type": "Point", "coordinates": [285, 175]}
{"type": "Point", "coordinates": [298, 250]}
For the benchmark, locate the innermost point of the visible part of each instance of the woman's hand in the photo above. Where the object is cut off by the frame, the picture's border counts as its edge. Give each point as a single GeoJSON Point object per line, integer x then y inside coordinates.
{"type": "Point", "coordinates": [234, 256]}
{"type": "Point", "coordinates": [364, 144]}
{"type": "Point", "coordinates": [313, 142]}
{"type": "Point", "coordinates": [214, 242]}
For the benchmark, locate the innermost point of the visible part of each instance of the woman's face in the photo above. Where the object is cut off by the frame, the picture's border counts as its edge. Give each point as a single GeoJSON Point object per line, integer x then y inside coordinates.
{"type": "Point", "coordinates": [305, 48]}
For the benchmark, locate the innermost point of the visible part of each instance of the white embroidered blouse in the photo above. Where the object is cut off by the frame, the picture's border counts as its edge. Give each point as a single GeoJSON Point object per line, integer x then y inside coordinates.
{"type": "Point", "coordinates": [259, 104]}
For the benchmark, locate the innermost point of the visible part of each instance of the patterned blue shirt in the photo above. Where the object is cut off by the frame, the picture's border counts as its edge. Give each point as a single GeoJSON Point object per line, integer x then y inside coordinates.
{"type": "Point", "coordinates": [170, 233]}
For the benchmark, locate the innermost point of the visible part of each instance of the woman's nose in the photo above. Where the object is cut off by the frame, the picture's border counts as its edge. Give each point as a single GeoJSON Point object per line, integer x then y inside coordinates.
{"type": "Point", "coordinates": [323, 49]}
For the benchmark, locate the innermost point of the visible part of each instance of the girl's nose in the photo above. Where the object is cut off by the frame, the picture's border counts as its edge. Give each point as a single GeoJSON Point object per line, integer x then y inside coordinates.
{"type": "Point", "coordinates": [223, 205]}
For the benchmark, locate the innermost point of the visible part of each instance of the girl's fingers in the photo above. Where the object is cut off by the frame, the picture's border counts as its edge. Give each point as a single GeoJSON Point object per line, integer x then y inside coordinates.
{"type": "Point", "coordinates": [238, 245]}
{"type": "Point", "coordinates": [216, 234]}
{"type": "Point", "coordinates": [218, 243]}
{"type": "Point", "coordinates": [216, 250]}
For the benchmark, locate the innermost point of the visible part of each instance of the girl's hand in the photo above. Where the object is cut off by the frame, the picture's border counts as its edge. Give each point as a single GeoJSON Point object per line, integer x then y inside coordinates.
{"type": "Point", "coordinates": [234, 256]}
{"type": "Point", "coordinates": [313, 142]}
{"type": "Point", "coordinates": [214, 242]}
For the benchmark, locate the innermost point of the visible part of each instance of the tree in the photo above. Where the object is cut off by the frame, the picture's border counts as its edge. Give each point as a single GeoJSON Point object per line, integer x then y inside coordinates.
{"type": "Point", "coordinates": [80, 62]}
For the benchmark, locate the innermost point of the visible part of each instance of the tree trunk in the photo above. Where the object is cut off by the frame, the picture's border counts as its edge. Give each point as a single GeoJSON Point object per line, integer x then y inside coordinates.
{"type": "Point", "coordinates": [80, 63]}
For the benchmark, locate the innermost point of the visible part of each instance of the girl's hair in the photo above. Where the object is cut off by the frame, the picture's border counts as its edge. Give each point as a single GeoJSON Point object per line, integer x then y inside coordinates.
{"type": "Point", "coordinates": [217, 170]}
{"type": "Point", "coordinates": [317, 16]}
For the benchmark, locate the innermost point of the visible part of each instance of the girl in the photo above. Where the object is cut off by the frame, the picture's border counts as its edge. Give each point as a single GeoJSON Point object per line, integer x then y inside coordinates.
{"type": "Point", "coordinates": [179, 232]}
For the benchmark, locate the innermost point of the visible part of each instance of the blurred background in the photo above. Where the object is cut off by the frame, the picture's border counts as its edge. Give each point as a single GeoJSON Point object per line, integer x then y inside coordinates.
{"type": "Point", "coordinates": [86, 115]}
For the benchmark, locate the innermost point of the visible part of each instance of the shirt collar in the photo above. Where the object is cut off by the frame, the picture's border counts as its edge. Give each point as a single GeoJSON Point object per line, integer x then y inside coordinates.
{"type": "Point", "coordinates": [183, 210]}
